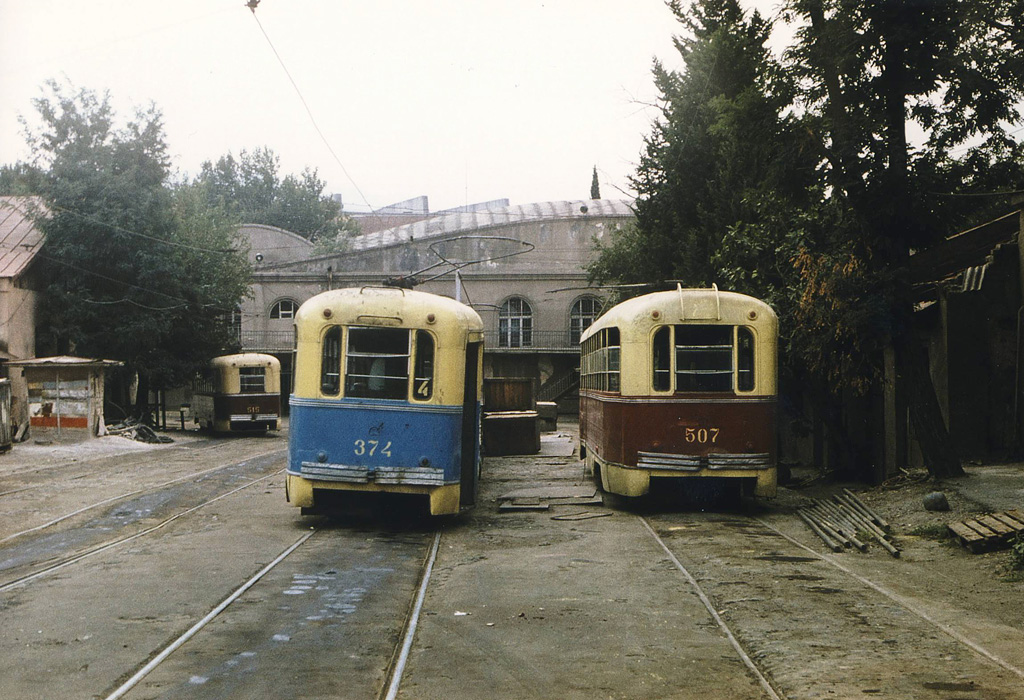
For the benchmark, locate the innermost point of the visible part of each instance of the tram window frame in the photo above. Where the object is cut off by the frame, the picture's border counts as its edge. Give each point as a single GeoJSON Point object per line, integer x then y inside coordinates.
{"type": "Point", "coordinates": [423, 367]}
{"type": "Point", "coordinates": [601, 361]}
{"type": "Point", "coordinates": [330, 361]}
{"type": "Point", "coordinates": [375, 352]}
{"type": "Point", "coordinates": [704, 343]}
{"type": "Point", "coordinates": [661, 359]}
{"type": "Point", "coordinates": [704, 356]}
{"type": "Point", "coordinates": [252, 380]}
{"type": "Point", "coordinates": [746, 359]}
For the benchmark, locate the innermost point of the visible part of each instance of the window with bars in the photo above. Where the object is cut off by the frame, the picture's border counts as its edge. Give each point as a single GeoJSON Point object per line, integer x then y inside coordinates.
{"type": "Point", "coordinates": [600, 361]}
{"type": "Point", "coordinates": [515, 324]}
{"type": "Point", "coordinates": [583, 313]}
{"type": "Point", "coordinates": [705, 358]}
{"type": "Point", "coordinates": [377, 363]}
{"type": "Point", "coordinates": [252, 380]}
{"type": "Point", "coordinates": [283, 308]}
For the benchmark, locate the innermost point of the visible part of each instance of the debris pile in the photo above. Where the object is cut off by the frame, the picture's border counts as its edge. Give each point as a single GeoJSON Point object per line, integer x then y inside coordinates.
{"type": "Point", "coordinates": [140, 432]}
{"type": "Point", "coordinates": [845, 522]}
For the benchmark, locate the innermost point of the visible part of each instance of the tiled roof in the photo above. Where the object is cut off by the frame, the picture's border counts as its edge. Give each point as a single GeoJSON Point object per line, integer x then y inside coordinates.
{"type": "Point", "coordinates": [20, 240]}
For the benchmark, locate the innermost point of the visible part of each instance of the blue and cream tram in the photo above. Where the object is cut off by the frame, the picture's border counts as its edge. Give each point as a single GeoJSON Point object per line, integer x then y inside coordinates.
{"type": "Point", "coordinates": [387, 397]}
{"type": "Point", "coordinates": [239, 393]}
{"type": "Point", "coordinates": [680, 384]}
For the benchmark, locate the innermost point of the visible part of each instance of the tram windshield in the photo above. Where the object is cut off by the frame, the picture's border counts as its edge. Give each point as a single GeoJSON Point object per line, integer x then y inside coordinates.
{"type": "Point", "coordinates": [377, 365]}
{"type": "Point", "coordinates": [707, 358]}
{"type": "Point", "coordinates": [252, 380]}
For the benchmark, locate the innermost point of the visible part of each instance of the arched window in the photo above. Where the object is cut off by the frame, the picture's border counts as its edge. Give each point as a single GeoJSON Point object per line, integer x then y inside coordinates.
{"type": "Point", "coordinates": [584, 312]}
{"type": "Point", "coordinates": [284, 308]}
{"type": "Point", "coordinates": [515, 324]}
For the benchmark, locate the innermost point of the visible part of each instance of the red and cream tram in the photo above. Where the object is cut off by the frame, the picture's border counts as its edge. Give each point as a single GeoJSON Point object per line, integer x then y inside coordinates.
{"type": "Point", "coordinates": [680, 384]}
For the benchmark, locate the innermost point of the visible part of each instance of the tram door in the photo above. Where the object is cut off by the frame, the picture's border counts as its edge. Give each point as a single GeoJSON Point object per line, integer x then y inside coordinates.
{"type": "Point", "coordinates": [470, 428]}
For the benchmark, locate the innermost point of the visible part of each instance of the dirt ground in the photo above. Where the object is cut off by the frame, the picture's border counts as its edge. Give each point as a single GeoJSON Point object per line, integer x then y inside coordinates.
{"type": "Point", "coordinates": [990, 583]}
{"type": "Point", "coordinates": [532, 602]}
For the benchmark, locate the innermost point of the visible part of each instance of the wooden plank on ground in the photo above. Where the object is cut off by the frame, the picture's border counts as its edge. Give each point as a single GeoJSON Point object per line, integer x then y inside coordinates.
{"type": "Point", "coordinates": [1009, 522]}
{"type": "Point", "coordinates": [995, 526]}
{"type": "Point", "coordinates": [1016, 515]}
{"type": "Point", "coordinates": [989, 531]}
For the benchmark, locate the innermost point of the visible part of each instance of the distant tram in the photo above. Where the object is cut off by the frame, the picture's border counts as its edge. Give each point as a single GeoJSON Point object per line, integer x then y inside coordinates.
{"type": "Point", "coordinates": [239, 393]}
{"type": "Point", "coordinates": [681, 385]}
{"type": "Point", "coordinates": [387, 398]}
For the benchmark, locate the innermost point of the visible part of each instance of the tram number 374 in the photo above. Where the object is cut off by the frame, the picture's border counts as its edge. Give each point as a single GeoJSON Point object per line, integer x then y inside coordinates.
{"type": "Point", "coordinates": [372, 447]}
{"type": "Point", "coordinates": [702, 436]}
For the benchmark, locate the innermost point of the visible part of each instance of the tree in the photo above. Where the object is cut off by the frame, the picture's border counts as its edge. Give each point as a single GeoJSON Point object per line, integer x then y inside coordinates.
{"type": "Point", "coordinates": [251, 188]}
{"type": "Point", "coordinates": [20, 179]}
{"type": "Point", "coordinates": [868, 69]}
{"type": "Point", "coordinates": [595, 186]}
{"type": "Point", "coordinates": [136, 271]}
{"type": "Point", "coordinates": [798, 183]}
{"type": "Point", "coordinates": [722, 154]}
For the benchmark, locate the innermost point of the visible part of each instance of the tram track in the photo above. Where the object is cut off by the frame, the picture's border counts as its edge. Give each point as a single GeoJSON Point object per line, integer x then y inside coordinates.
{"type": "Point", "coordinates": [106, 546]}
{"type": "Point", "coordinates": [199, 662]}
{"type": "Point", "coordinates": [124, 496]}
{"type": "Point", "coordinates": [78, 462]}
{"type": "Point", "coordinates": [813, 604]}
{"type": "Point", "coordinates": [394, 665]}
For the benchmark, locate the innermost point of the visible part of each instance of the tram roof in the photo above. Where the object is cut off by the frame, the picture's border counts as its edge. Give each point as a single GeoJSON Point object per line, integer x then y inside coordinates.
{"type": "Point", "coordinates": [244, 359]}
{"type": "Point", "coordinates": [686, 305]}
{"type": "Point", "coordinates": [348, 305]}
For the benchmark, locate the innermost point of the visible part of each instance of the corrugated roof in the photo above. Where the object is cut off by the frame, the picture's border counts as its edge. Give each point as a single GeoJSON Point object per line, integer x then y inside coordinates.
{"type": "Point", "coordinates": [65, 361]}
{"type": "Point", "coordinates": [20, 240]}
{"type": "Point", "coordinates": [462, 221]}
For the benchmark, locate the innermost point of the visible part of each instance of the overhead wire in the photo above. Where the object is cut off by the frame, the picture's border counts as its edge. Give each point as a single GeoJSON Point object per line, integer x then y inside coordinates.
{"type": "Point", "coordinates": [305, 104]}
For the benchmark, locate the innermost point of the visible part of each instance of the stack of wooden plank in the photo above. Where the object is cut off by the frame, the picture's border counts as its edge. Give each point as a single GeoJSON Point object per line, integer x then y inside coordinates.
{"type": "Point", "coordinates": [981, 533]}
{"type": "Point", "coordinates": [845, 521]}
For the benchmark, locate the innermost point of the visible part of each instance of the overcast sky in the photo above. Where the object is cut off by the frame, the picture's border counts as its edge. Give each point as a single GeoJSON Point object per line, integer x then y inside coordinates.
{"type": "Point", "coordinates": [460, 100]}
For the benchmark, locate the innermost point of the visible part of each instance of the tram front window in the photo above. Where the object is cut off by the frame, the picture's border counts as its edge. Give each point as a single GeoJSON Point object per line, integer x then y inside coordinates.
{"type": "Point", "coordinates": [252, 380]}
{"type": "Point", "coordinates": [377, 363]}
{"type": "Point", "coordinates": [704, 358]}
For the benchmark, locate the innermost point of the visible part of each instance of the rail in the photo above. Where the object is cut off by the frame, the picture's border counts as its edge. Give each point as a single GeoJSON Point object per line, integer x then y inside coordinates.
{"type": "Point", "coordinates": [266, 341]}
{"type": "Point", "coordinates": [531, 341]}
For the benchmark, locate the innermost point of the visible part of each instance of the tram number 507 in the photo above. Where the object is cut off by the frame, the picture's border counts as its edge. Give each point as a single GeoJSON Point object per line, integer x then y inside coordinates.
{"type": "Point", "coordinates": [702, 435]}
{"type": "Point", "coordinates": [372, 447]}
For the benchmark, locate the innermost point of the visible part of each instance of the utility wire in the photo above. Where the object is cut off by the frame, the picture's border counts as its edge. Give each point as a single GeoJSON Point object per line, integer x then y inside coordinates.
{"type": "Point", "coordinates": [155, 239]}
{"type": "Point", "coordinates": [252, 7]}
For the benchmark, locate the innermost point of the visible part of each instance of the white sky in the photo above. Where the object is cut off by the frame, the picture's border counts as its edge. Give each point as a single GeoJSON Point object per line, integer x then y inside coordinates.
{"type": "Point", "coordinates": [460, 100]}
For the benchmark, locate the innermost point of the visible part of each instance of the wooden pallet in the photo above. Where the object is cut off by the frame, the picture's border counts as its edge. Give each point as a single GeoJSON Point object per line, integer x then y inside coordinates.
{"type": "Point", "coordinates": [986, 532]}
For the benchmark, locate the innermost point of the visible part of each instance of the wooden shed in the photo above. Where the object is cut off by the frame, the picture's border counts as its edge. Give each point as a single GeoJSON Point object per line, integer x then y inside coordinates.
{"type": "Point", "coordinates": [65, 395]}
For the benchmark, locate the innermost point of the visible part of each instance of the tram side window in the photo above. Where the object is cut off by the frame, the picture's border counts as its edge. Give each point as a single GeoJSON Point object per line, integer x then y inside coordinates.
{"type": "Point", "coordinates": [662, 360]}
{"type": "Point", "coordinates": [704, 358]}
{"type": "Point", "coordinates": [252, 380]}
{"type": "Point", "coordinates": [423, 376]}
{"type": "Point", "coordinates": [330, 362]}
{"type": "Point", "coordinates": [377, 363]}
{"type": "Point", "coordinates": [744, 359]}
{"type": "Point", "coordinates": [613, 359]}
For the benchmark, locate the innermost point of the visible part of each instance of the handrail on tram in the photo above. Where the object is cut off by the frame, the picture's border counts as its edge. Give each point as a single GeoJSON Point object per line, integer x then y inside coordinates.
{"type": "Point", "coordinates": [382, 287]}
{"type": "Point", "coordinates": [718, 301]}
